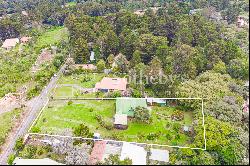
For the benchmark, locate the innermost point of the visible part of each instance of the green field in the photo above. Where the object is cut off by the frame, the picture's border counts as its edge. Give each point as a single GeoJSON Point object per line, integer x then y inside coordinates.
{"type": "Point", "coordinates": [6, 123]}
{"type": "Point", "coordinates": [56, 118]}
{"type": "Point", "coordinates": [52, 37]}
{"type": "Point", "coordinates": [71, 4]}
{"type": "Point", "coordinates": [85, 80]}
{"type": "Point", "coordinates": [60, 116]}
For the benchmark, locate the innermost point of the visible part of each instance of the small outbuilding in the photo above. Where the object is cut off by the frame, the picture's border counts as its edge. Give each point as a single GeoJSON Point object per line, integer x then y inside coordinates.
{"type": "Point", "coordinates": [121, 121]}
{"type": "Point", "coordinates": [157, 101]}
{"type": "Point", "coordinates": [159, 155]}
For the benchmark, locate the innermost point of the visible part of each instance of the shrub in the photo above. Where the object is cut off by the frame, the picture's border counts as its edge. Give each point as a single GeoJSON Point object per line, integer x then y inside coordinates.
{"type": "Point", "coordinates": [29, 152]}
{"type": "Point", "coordinates": [34, 91]}
{"type": "Point", "coordinates": [177, 136]}
{"type": "Point", "coordinates": [19, 144]}
{"type": "Point", "coordinates": [86, 78]}
{"type": "Point", "coordinates": [152, 136]}
{"type": "Point", "coordinates": [41, 150]}
{"type": "Point", "coordinates": [114, 94]}
{"type": "Point", "coordinates": [77, 142]}
{"type": "Point", "coordinates": [70, 102]}
{"type": "Point", "coordinates": [177, 116]}
{"type": "Point", "coordinates": [136, 93]}
{"type": "Point", "coordinates": [168, 136]}
{"type": "Point", "coordinates": [168, 124]}
{"type": "Point", "coordinates": [11, 158]}
{"type": "Point", "coordinates": [115, 160]}
{"type": "Point", "coordinates": [100, 65]}
{"type": "Point", "coordinates": [140, 135]}
{"type": "Point", "coordinates": [97, 94]}
{"type": "Point", "coordinates": [142, 115]}
{"type": "Point", "coordinates": [82, 131]}
{"type": "Point", "coordinates": [44, 120]}
{"type": "Point", "coordinates": [106, 125]}
{"type": "Point", "coordinates": [35, 130]}
{"type": "Point", "coordinates": [176, 127]}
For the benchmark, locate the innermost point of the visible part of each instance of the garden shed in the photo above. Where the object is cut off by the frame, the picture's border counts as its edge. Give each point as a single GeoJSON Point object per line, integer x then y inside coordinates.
{"type": "Point", "coordinates": [121, 121]}
{"type": "Point", "coordinates": [157, 101]}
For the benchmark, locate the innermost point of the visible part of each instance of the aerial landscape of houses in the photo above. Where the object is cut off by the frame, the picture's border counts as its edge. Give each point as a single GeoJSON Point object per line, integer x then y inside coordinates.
{"type": "Point", "coordinates": [131, 82]}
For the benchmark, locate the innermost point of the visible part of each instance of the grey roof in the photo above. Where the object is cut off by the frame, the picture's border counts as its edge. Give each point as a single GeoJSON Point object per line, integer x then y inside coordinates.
{"type": "Point", "coordinates": [186, 128]}
{"type": "Point", "coordinates": [92, 56]}
{"type": "Point", "coordinates": [159, 155]}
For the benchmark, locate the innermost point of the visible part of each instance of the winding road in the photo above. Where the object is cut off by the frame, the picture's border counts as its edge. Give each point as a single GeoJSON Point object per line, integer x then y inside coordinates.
{"type": "Point", "coordinates": [35, 107]}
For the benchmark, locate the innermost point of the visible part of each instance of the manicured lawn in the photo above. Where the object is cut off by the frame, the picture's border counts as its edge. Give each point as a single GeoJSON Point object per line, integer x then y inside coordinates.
{"type": "Point", "coordinates": [6, 123]}
{"type": "Point", "coordinates": [58, 117]}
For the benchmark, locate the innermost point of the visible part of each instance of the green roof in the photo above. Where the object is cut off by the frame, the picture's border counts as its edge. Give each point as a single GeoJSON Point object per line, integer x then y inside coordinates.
{"type": "Point", "coordinates": [126, 105]}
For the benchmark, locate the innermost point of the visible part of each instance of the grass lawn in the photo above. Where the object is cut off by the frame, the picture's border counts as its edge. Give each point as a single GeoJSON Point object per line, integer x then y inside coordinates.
{"type": "Point", "coordinates": [58, 117]}
{"type": "Point", "coordinates": [71, 4]}
{"type": "Point", "coordinates": [6, 123]}
{"type": "Point", "coordinates": [52, 37]}
{"type": "Point", "coordinates": [85, 80]}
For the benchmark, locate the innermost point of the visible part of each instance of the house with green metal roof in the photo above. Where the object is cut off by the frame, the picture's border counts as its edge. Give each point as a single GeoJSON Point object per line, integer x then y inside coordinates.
{"type": "Point", "coordinates": [127, 105]}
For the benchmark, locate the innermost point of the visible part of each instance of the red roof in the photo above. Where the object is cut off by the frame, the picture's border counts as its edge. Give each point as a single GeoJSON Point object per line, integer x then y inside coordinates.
{"type": "Point", "coordinates": [25, 39]}
{"type": "Point", "coordinates": [112, 83]}
{"type": "Point", "coordinates": [97, 152]}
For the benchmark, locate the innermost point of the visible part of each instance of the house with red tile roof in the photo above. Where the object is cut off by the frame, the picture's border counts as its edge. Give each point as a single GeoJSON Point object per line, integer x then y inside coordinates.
{"type": "Point", "coordinates": [111, 84]}
{"type": "Point", "coordinates": [97, 153]}
{"type": "Point", "coordinates": [25, 39]}
{"type": "Point", "coordinates": [10, 43]}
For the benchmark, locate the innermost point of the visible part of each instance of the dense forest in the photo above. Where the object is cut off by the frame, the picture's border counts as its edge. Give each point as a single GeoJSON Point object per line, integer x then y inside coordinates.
{"type": "Point", "coordinates": [199, 55]}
